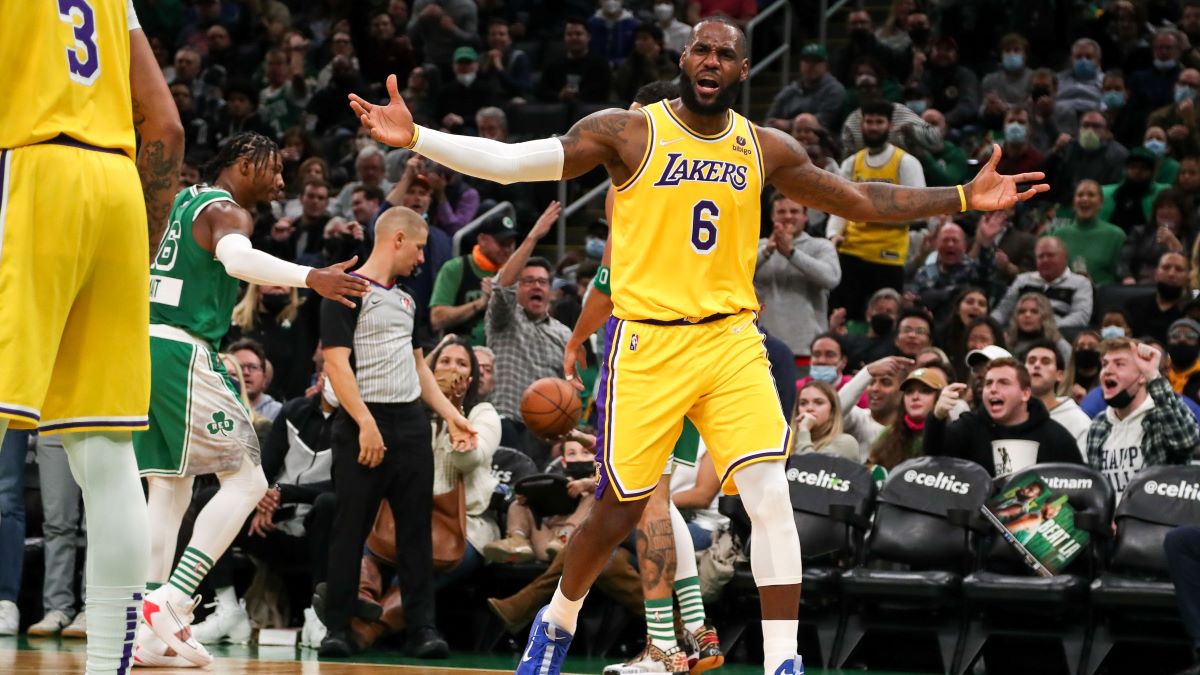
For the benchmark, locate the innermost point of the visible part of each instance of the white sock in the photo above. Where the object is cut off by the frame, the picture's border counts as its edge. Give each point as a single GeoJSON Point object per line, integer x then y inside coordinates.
{"type": "Point", "coordinates": [104, 466]}
{"type": "Point", "coordinates": [563, 613]}
{"type": "Point", "coordinates": [166, 505]}
{"type": "Point", "coordinates": [113, 613]}
{"type": "Point", "coordinates": [779, 642]}
{"type": "Point", "coordinates": [227, 598]}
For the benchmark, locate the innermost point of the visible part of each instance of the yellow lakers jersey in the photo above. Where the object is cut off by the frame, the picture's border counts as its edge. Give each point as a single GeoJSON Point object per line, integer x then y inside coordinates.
{"type": "Point", "coordinates": [685, 225]}
{"type": "Point", "coordinates": [65, 71]}
{"type": "Point", "coordinates": [883, 244]}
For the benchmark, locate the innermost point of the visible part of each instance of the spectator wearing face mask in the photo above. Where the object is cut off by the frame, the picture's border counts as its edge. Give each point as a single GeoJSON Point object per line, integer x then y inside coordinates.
{"type": "Point", "coordinates": [882, 310]}
{"type": "Point", "coordinates": [1154, 87]}
{"type": "Point", "coordinates": [1178, 118]}
{"type": "Point", "coordinates": [1091, 156]}
{"type": "Point", "coordinates": [675, 32]}
{"type": "Point", "coordinates": [1154, 316]}
{"type": "Point", "coordinates": [1010, 84]}
{"type": "Point", "coordinates": [459, 99]}
{"type": "Point", "coordinates": [1166, 168]}
{"type": "Point", "coordinates": [1126, 123]}
{"type": "Point", "coordinates": [828, 364]}
{"type": "Point", "coordinates": [1093, 402]}
{"type": "Point", "coordinates": [612, 30]}
{"type": "Point", "coordinates": [1080, 84]}
{"type": "Point", "coordinates": [1019, 155]}
{"type": "Point", "coordinates": [1145, 424]}
{"type": "Point", "coordinates": [285, 324]}
{"type": "Point", "coordinates": [1183, 346]}
{"type": "Point", "coordinates": [1127, 204]}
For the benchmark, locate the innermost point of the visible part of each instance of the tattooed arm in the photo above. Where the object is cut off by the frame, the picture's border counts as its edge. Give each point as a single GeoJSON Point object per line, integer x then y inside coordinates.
{"type": "Point", "coordinates": [157, 122]}
{"type": "Point", "coordinates": [790, 170]}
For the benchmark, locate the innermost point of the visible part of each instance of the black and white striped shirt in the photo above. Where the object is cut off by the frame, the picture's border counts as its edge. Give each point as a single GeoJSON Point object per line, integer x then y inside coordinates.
{"type": "Point", "coordinates": [379, 332]}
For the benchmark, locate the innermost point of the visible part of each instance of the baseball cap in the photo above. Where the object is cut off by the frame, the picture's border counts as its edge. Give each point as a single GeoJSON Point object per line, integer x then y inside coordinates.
{"type": "Point", "coordinates": [499, 226]}
{"type": "Point", "coordinates": [1140, 154]}
{"type": "Point", "coordinates": [986, 355]}
{"type": "Point", "coordinates": [465, 53]}
{"type": "Point", "coordinates": [930, 377]}
{"type": "Point", "coordinates": [813, 51]}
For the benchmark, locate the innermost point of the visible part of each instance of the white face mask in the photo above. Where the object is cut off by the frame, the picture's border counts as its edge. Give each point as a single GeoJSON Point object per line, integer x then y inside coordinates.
{"type": "Point", "coordinates": [328, 395]}
{"type": "Point", "coordinates": [611, 7]}
{"type": "Point", "coordinates": [664, 11]}
{"type": "Point", "coordinates": [466, 79]}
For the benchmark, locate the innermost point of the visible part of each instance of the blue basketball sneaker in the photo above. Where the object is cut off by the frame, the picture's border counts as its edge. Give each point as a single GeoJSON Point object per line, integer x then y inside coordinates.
{"type": "Point", "coordinates": [544, 655]}
{"type": "Point", "coordinates": [793, 666]}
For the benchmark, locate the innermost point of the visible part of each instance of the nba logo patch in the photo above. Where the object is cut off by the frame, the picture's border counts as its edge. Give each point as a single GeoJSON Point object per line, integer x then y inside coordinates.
{"type": "Point", "coordinates": [633, 342]}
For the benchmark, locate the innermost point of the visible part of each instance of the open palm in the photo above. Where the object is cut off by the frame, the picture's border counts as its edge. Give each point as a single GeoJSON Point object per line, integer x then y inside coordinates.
{"type": "Point", "coordinates": [391, 123]}
{"type": "Point", "coordinates": [991, 191]}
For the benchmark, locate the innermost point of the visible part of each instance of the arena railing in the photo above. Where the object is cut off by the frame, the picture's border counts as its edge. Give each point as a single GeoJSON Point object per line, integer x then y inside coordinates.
{"type": "Point", "coordinates": [781, 53]}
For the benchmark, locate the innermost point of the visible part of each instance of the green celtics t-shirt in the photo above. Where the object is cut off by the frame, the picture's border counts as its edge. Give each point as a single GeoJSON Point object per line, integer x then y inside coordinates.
{"type": "Point", "coordinates": [457, 283]}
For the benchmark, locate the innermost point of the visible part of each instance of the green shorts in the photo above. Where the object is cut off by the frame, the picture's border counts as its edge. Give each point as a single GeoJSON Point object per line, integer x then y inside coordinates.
{"type": "Point", "coordinates": [198, 423]}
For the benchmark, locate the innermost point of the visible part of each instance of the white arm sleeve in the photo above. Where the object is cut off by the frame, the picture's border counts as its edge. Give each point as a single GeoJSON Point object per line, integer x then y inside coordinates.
{"type": "Point", "coordinates": [131, 15]}
{"type": "Point", "coordinates": [495, 161]}
{"type": "Point", "coordinates": [241, 261]}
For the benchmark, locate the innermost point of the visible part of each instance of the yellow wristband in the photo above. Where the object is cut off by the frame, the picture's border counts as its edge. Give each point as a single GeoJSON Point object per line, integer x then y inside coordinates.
{"type": "Point", "coordinates": [962, 198]}
{"type": "Point", "coordinates": [417, 132]}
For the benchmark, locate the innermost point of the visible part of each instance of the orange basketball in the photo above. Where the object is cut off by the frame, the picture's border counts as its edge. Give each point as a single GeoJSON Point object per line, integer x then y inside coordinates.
{"type": "Point", "coordinates": [550, 407]}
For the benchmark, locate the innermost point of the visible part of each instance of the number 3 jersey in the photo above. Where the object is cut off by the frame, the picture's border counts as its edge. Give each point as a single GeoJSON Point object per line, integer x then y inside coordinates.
{"type": "Point", "coordinates": [66, 71]}
{"type": "Point", "coordinates": [189, 288]}
{"type": "Point", "coordinates": [686, 224]}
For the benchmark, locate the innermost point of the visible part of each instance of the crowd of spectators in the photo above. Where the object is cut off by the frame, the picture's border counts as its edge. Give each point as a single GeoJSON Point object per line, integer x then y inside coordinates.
{"type": "Point", "coordinates": [1070, 321]}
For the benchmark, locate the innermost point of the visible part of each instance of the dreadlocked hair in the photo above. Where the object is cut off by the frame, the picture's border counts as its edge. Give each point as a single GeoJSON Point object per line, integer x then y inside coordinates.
{"type": "Point", "coordinates": [249, 145]}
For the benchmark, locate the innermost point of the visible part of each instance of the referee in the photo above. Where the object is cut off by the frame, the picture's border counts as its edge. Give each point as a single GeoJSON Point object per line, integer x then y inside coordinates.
{"type": "Point", "coordinates": [381, 441]}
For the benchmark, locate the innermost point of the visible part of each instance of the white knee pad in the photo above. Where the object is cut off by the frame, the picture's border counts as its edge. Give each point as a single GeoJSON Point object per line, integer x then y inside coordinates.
{"type": "Point", "coordinates": [685, 550]}
{"type": "Point", "coordinates": [774, 543]}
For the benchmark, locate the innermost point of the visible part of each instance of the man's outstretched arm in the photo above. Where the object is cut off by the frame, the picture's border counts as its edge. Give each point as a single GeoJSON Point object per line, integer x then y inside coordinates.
{"type": "Point", "coordinates": [790, 170]}
{"type": "Point", "coordinates": [157, 122]}
{"type": "Point", "coordinates": [591, 141]}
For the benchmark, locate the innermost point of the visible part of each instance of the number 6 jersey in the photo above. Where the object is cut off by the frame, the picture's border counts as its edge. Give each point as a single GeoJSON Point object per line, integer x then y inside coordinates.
{"type": "Point", "coordinates": [686, 224]}
{"type": "Point", "coordinates": [189, 288]}
{"type": "Point", "coordinates": [66, 71]}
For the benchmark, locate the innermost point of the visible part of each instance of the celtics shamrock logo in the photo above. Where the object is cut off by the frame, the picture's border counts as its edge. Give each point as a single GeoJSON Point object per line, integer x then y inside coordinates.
{"type": "Point", "coordinates": [220, 424]}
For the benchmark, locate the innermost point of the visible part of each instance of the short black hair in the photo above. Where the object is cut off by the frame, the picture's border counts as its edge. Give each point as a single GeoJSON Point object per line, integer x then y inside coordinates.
{"type": "Point", "coordinates": [582, 21]}
{"type": "Point", "coordinates": [914, 313]}
{"type": "Point", "coordinates": [830, 336]}
{"type": "Point", "coordinates": [539, 261]}
{"type": "Point", "coordinates": [1042, 343]}
{"type": "Point", "coordinates": [879, 108]}
{"type": "Point", "coordinates": [650, 28]}
{"type": "Point", "coordinates": [250, 344]}
{"type": "Point", "coordinates": [740, 44]}
{"type": "Point", "coordinates": [369, 192]}
{"type": "Point", "coordinates": [248, 145]}
{"type": "Point", "coordinates": [244, 88]}
{"type": "Point", "coordinates": [656, 91]}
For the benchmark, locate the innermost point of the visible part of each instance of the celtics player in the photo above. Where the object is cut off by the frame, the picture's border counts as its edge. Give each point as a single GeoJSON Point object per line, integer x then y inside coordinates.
{"type": "Point", "coordinates": [198, 424]}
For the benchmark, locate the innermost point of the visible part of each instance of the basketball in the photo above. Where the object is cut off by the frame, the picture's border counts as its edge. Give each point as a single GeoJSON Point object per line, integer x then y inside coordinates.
{"type": "Point", "coordinates": [550, 407]}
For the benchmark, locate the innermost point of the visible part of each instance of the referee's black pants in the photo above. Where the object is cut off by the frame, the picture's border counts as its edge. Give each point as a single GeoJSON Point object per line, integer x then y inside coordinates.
{"type": "Point", "coordinates": [405, 479]}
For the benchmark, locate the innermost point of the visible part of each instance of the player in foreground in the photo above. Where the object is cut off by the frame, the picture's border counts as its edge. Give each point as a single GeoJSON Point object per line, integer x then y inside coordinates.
{"type": "Point", "coordinates": [198, 423]}
{"type": "Point", "coordinates": [79, 79]}
{"type": "Point", "coordinates": [682, 340]}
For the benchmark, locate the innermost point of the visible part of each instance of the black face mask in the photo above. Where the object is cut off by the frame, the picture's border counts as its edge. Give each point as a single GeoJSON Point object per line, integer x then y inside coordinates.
{"type": "Point", "coordinates": [1169, 292]}
{"type": "Point", "coordinates": [1119, 400]}
{"type": "Point", "coordinates": [860, 35]}
{"type": "Point", "coordinates": [1024, 335]}
{"type": "Point", "coordinates": [581, 470]}
{"type": "Point", "coordinates": [275, 302]}
{"type": "Point", "coordinates": [1183, 355]}
{"type": "Point", "coordinates": [1087, 359]}
{"type": "Point", "coordinates": [919, 35]}
{"type": "Point", "coordinates": [1039, 92]}
{"type": "Point", "coordinates": [882, 324]}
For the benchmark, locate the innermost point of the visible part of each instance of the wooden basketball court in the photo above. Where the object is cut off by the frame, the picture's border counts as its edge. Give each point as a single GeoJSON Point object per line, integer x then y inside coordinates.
{"type": "Point", "coordinates": [42, 662]}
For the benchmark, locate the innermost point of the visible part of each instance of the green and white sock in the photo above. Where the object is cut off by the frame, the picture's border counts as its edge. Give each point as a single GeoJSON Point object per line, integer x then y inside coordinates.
{"type": "Point", "coordinates": [691, 605]}
{"type": "Point", "coordinates": [190, 571]}
{"type": "Point", "coordinates": [660, 623]}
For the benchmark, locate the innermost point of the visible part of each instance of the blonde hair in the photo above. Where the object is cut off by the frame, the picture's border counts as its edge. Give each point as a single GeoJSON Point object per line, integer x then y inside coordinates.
{"type": "Point", "coordinates": [245, 313]}
{"type": "Point", "coordinates": [823, 433]}
{"type": "Point", "coordinates": [1049, 323]}
{"type": "Point", "coordinates": [233, 368]}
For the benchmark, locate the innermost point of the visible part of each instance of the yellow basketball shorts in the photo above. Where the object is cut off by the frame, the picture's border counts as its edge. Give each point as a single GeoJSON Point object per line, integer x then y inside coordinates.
{"type": "Point", "coordinates": [716, 374]}
{"type": "Point", "coordinates": [74, 290]}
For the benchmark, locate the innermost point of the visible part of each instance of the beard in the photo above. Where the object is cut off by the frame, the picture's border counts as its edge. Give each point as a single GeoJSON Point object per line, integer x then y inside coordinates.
{"type": "Point", "coordinates": [874, 140]}
{"type": "Point", "coordinates": [722, 102]}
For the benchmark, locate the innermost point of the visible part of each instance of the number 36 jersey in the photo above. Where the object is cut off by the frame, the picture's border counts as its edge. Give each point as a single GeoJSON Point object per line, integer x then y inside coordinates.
{"type": "Point", "coordinates": [686, 224]}
{"type": "Point", "coordinates": [189, 288]}
{"type": "Point", "coordinates": [66, 71]}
